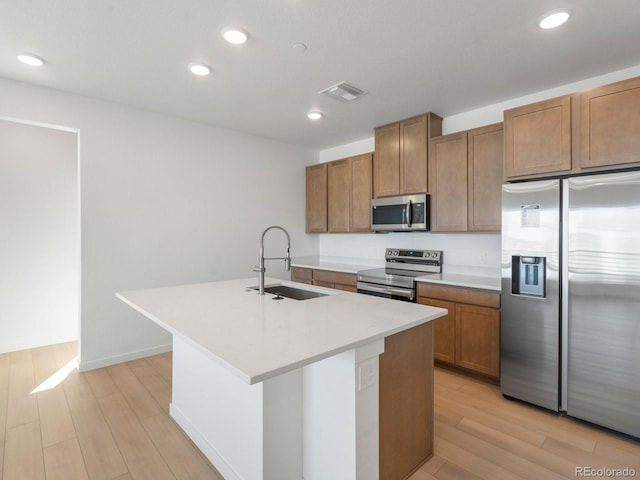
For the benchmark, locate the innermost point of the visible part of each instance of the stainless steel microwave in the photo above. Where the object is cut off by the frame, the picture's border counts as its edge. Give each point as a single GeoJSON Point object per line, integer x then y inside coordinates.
{"type": "Point", "coordinates": [406, 213]}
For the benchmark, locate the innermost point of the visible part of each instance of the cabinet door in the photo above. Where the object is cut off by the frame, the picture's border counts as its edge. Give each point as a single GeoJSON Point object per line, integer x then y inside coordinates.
{"type": "Point", "coordinates": [485, 162]}
{"type": "Point", "coordinates": [361, 192]}
{"type": "Point", "coordinates": [339, 195]}
{"type": "Point", "coordinates": [386, 161]}
{"type": "Point", "coordinates": [611, 125]}
{"type": "Point", "coordinates": [413, 155]}
{"type": "Point", "coordinates": [316, 198]}
{"type": "Point", "coordinates": [538, 138]}
{"type": "Point", "coordinates": [478, 339]}
{"type": "Point", "coordinates": [448, 183]}
{"type": "Point", "coordinates": [444, 330]}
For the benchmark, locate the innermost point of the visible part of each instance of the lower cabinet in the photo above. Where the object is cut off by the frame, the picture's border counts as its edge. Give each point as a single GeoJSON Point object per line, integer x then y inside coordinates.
{"type": "Point", "coordinates": [302, 275]}
{"type": "Point", "coordinates": [324, 278]}
{"type": "Point", "coordinates": [469, 336]}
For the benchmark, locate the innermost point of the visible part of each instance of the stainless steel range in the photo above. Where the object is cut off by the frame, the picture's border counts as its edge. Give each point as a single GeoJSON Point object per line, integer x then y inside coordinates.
{"type": "Point", "coordinates": [397, 279]}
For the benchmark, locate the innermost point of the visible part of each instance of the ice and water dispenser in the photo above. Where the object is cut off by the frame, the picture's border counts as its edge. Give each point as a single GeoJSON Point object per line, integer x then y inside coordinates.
{"type": "Point", "coordinates": [528, 275]}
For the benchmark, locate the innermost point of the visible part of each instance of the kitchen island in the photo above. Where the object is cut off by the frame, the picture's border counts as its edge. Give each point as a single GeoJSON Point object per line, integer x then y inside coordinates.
{"type": "Point", "coordinates": [280, 389]}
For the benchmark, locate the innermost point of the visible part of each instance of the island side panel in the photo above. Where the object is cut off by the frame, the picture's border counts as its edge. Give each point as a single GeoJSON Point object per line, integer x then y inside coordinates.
{"type": "Point", "coordinates": [340, 415]}
{"type": "Point", "coordinates": [226, 417]}
{"type": "Point", "coordinates": [406, 402]}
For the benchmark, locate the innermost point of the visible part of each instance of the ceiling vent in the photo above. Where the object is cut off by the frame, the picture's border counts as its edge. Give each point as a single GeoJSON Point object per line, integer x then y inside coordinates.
{"type": "Point", "coordinates": [342, 91]}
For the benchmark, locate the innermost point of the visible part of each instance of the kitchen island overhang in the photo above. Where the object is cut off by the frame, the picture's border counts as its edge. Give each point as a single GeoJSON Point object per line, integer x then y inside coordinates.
{"type": "Point", "coordinates": [278, 388]}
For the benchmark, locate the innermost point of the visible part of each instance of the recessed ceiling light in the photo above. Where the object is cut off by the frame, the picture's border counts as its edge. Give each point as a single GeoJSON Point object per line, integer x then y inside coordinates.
{"type": "Point", "coordinates": [31, 59]}
{"type": "Point", "coordinates": [554, 18]}
{"type": "Point", "coordinates": [314, 115]}
{"type": "Point", "coordinates": [200, 69]}
{"type": "Point", "coordinates": [235, 35]}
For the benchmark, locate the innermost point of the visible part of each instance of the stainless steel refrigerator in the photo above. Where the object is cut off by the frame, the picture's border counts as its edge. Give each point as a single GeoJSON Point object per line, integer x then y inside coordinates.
{"type": "Point", "coordinates": [570, 326]}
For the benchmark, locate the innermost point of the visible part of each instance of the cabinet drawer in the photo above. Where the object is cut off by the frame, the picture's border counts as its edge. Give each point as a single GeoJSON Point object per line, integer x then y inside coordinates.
{"type": "Point", "coordinates": [334, 277]}
{"type": "Point", "coordinates": [471, 296]}
{"type": "Point", "coordinates": [302, 275]}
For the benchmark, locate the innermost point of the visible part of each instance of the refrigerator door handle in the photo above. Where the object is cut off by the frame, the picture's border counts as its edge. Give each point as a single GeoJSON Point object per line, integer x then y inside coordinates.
{"type": "Point", "coordinates": [564, 289]}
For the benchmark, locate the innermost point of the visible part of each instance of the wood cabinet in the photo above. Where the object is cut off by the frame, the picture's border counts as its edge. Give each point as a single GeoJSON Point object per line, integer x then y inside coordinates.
{"type": "Point", "coordinates": [302, 275]}
{"type": "Point", "coordinates": [386, 163]}
{"type": "Point", "coordinates": [324, 278]}
{"type": "Point", "coordinates": [444, 332]}
{"type": "Point", "coordinates": [610, 127]}
{"type": "Point", "coordinates": [485, 162]}
{"type": "Point", "coordinates": [537, 138]}
{"type": "Point", "coordinates": [339, 180]}
{"type": "Point", "coordinates": [469, 336]}
{"type": "Point", "coordinates": [316, 198]}
{"type": "Point", "coordinates": [337, 280]}
{"type": "Point", "coordinates": [401, 153]}
{"type": "Point", "coordinates": [361, 192]}
{"type": "Point", "coordinates": [448, 183]}
{"type": "Point", "coordinates": [465, 180]}
{"type": "Point", "coordinates": [478, 339]}
{"type": "Point", "coordinates": [406, 402]}
{"type": "Point", "coordinates": [339, 195]}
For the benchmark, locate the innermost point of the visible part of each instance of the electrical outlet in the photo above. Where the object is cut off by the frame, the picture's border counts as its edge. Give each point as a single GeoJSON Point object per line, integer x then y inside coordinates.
{"type": "Point", "coordinates": [367, 374]}
{"type": "Point", "coordinates": [483, 258]}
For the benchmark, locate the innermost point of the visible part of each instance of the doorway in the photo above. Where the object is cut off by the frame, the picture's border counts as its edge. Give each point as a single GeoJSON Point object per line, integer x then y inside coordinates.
{"type": "Point", "coordinates": [39, 235]}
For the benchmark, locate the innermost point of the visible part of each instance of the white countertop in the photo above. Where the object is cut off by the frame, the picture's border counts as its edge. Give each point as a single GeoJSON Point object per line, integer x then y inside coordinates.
{"type": "Point", "coordinates": [257, 337]}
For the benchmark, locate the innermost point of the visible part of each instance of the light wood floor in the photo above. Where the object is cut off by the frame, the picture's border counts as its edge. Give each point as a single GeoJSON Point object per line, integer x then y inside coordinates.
{"type": "Point", "coordinates": [113, 424]}
{"type": "Point", "coordinates": [481, 435]}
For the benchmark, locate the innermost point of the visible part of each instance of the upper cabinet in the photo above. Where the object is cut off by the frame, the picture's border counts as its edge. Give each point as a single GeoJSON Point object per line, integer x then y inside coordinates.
{"type": "Point", "coordinates": [316, 198]}
{"type": "Point", "coordinates": [610, 133]}
{"type": "Point", "coordinates": [537, 138]}
{"type": "Point", "coordinates": [349, 199]}
{"type": "Point", "coordinates": [594, 130]}
{"type": "Point", "coordinates": [386, 166]}
{"type": "Point", "coordinates": [361, 192]}
{"type": "Point", "coordinates": [448, 183]}
{"type": "Point", "coordinates": [401, 153]}
{"type": "Point", "coordinates": [465, 180]}
{"type": "Point", "coordinates": [339, 195]}
{"type": "Point", "coordinates": [485, 163]}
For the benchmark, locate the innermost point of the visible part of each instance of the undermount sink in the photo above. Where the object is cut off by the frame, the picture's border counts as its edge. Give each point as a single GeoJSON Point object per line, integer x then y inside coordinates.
{"type": "Point", "coordinates": [291, 292]}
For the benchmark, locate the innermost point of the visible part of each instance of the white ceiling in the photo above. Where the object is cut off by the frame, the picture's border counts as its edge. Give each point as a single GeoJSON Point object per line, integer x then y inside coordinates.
{"type": "Point", "coordinates": [410, 56]}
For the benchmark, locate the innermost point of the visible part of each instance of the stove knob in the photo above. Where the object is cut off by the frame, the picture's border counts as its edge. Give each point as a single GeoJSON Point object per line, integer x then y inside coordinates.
{"type": "Point", "coordinates": [434, 254]}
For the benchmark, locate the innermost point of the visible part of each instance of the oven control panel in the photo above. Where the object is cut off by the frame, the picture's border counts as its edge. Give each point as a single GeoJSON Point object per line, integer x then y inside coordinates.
{"type": "Point", "coordinates": [420, 260]}
{"type": "Point", "coordinates": [396, 253]}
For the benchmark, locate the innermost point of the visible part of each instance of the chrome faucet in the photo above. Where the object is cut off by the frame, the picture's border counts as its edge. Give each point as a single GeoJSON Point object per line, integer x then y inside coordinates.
{"type": "Point", "coordinates": [260, 268]}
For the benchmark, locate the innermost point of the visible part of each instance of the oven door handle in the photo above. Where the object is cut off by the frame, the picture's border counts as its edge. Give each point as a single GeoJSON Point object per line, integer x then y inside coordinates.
{"type": "Point", "coordinates": [400, 292]}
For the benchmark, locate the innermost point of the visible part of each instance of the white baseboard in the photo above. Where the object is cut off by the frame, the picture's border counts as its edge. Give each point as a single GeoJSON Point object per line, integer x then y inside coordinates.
{"type": "Point", "coordinates": [126, 357]}
{"type": "Point", "coordinates": [202, 443]}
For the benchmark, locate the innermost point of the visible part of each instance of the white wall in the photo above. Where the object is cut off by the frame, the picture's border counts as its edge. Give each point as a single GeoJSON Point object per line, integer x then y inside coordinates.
{"type": "Point", "coordinates": [164, 201]}
{"type": "Point", "coordinates": [39, 248]}
{"type": "Point", "coordinates": [481, 251]}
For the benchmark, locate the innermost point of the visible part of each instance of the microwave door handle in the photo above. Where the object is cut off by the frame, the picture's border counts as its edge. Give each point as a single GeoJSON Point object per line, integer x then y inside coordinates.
{"type": "Point", "coordinates": [409, 214]}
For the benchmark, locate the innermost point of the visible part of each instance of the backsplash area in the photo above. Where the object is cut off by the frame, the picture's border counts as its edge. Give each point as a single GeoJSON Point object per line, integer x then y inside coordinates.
{"type": "Point", "coordinates": [468, 253]}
